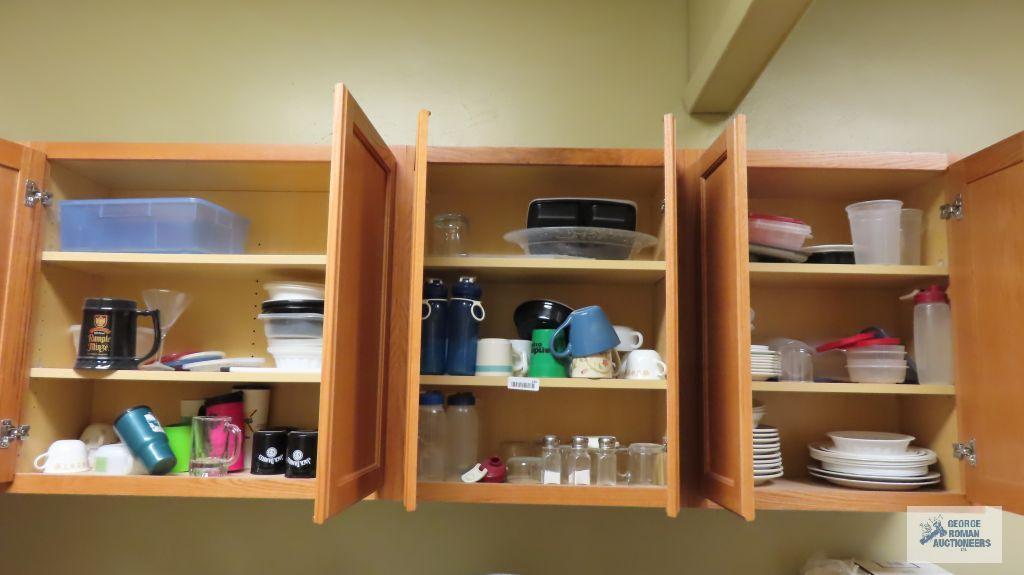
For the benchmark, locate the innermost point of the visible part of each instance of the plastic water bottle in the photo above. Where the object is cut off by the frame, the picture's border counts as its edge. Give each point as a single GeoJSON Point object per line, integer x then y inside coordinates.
{"type": "Point", "coordinates": [462, 451]}
{"type": "Point", "coordinates": [551, 461]}
{"type": "Point", "coordinates": [606, 465]}
{"type": "Point", "coordinates": [465, 312]}
{"type": "Point", "coordinates": [933, 336]}
{"type": "Point", "coordinates": [579, 461]}
{"type": "Point", "coordinates": [431, 454]}
{"type": "Point", "coordinates": [434, 336]}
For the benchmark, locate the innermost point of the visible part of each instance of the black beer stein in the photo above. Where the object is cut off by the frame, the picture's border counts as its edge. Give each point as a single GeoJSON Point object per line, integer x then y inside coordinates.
{"type": "Point", "coordinates": [107, 339]}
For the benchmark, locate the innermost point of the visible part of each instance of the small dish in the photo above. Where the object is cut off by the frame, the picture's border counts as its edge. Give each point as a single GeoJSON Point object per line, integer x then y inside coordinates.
{"type": "Point", "coordinates": [870, 442]}
{"type": "Point", "coordinates": [581, 242]}
{"type": "Point", "coordinates": [539, 314]}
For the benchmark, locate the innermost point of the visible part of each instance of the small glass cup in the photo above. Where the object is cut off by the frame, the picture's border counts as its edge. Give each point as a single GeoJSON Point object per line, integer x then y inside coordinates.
{"type": "Point", "coordinates": [216, 446]}
{"type": "Point", "coordinates": [450, 231]}
{"type": "Point", "coordinates": [524, 469]}
{"type": "Point", "coordinates": [645, 463]}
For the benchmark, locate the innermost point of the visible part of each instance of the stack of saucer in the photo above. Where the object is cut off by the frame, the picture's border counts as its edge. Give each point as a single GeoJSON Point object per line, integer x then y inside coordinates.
{"type": "Point", "coordinates": [767, 449]}
{"type": "Point", "coordinates": [873, 460]}
{"type": "Point", "coordinates": [764, 363]}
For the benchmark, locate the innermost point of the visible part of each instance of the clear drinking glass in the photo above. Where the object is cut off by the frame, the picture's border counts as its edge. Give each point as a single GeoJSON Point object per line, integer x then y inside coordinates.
{"type": "Point", "coordinates": [606, 462]}
{"type": "Point", "coordinates": [645, 463]}
{"type": "Point", "coordinates": [216, 446]}
{"type": "Point", "coordinates": [450, 232]}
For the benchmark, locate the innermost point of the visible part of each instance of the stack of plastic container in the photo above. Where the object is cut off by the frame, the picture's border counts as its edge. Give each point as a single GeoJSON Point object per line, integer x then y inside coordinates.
{"type": "Point", "coordinates": [877, 362]}
{"type": "Point", "coordinates": [293, 320]}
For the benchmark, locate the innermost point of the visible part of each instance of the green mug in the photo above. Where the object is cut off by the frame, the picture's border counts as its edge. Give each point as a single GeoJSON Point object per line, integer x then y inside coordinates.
{"type": "Point", "coordinates": [180, 438]}
{"type": "Point", "coordinates": [542, 363]}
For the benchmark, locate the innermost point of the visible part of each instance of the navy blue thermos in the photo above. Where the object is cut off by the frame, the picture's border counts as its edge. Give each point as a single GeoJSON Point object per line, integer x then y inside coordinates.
{"type": "Point", "coordinates": [465, 312]}
{"type": "Point", "coordinates": [434, 327]}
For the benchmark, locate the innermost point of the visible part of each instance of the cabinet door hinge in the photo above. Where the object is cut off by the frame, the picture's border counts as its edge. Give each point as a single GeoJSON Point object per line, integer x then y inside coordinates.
{"type": "Point", "coordinates": [966, 451]}
{"type": "Point", "coordinates": [34, 195]}
{"type": "Point", "coordinates": [10, 432]}
{"type": "Point", "coordinates": [954, 211]}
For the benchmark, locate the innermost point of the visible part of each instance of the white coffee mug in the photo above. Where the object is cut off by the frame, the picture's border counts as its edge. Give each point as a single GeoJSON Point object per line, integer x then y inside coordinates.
{"type": "Point", "coordinates": [644, 364]}
{"type": "Point", "coordinates": [63, 456]}
{"type": "Point", "coordinates": [114, 459]}
{"type": "Point", "coordinates": [521, 353]}
{"type": "Point", "coordinates": [598, 366]}
{"type": "Point", "coordinates": [629, 338]}
{"type": "Point", "coordinates": [494, 357]}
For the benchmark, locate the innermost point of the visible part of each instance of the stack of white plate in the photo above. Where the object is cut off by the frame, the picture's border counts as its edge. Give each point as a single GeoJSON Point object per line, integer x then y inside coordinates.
{"type": "Point", "coordinates": [767, 454]}
{"type": "Point", "coordinates": [764, 363]}
{"type": "Point", "coordinates": [767, 448]}
{"type": "Point", "coordinates": [873, 460]}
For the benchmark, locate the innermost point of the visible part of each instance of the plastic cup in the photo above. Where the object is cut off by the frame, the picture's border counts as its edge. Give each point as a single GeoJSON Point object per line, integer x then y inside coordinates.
{"type": "Point", "coordinates": [910, 236]}
{"type": "Point", "coordinates": [875, 227]}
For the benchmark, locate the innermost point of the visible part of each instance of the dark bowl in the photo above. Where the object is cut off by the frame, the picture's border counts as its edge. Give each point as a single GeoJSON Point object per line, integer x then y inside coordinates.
{"type": "Point", "coordinates": [539, 314]}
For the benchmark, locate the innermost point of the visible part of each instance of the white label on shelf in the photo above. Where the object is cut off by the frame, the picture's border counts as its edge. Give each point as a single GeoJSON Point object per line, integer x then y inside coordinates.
{"type": "Point", "coordinates": [524, 383]}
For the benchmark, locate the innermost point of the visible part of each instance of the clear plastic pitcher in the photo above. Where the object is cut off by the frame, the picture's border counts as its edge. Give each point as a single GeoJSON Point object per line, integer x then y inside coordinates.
{"type": "Point", "coordinates": [875, 227]}
{"type": "Point", "coordinates": [910, 236]}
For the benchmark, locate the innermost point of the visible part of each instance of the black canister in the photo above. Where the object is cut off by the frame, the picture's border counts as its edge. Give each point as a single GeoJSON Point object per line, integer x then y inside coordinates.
{"type": "Point", "coordinates": [107, 339]}
{"type": "Point", "coordinates": [300, 457]}
{"type": "Point", "coordinates": [268, 451]}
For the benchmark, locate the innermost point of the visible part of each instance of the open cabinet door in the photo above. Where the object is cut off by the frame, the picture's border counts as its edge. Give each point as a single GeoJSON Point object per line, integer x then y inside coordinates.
{"type": "Point", "coordinates": [987, 301]}
{"type": "Point", "coordinates": [415, 311]}
{"type": "Point", "coordinates": [671, 325]}
{"type": "Point", "coordinates": [22, 171]}
{"type": "Point", "coordinates": [726, 440]}
{"type": "Point", "coordinates": [355, 367]}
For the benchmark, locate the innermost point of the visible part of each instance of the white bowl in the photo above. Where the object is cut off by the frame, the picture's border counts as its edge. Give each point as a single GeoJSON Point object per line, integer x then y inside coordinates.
{"type": "Point", "coordinates": [294, 290]}
{"type": "Point", "coordinates": [875, 442]}
{"type": "Point", "coordinates": [875, 373]}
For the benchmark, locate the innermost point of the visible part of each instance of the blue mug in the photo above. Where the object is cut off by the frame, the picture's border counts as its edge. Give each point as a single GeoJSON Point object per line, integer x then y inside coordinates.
{"type": "Point", "coordinates": [591, 333]}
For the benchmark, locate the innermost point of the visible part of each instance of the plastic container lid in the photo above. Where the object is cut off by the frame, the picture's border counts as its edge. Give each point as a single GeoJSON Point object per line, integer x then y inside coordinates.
{"type": "Point", "coordinates": [829, 249]}
{"type": "Point", "coordinates": [462, 398]}
{"type": "Point", "coordinates": [293, 306]}
{"type": "Point", "coordinates": [845, 342]}
{"type": "Point", "coordinates": [877, 341]}
{"type": "Point", "coordinates": [431, 398]}
{"type": "Point", "coordinates": [776, 219]}
{"type": "Point", "coordinates": [309, 316]}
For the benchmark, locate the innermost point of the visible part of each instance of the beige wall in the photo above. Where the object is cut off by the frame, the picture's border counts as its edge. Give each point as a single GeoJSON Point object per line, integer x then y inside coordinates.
{"type": "Point", "coordinates": [856, 74]}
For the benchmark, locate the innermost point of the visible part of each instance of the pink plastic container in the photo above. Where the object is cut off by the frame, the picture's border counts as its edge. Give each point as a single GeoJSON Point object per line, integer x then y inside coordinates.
{"type": "Point", "coordinates": [778, 231]}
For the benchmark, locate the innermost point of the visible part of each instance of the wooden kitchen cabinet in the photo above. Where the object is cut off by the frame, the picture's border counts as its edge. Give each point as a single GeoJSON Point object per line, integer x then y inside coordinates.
{"type": "Point", "coordinates": [492, 187]}
{"type": "Point", "coordinates": [973, 252]}
{"type": "Point", "coordinates": [316, 213]}
{"type": "Point", "coordinates": [357, 215]}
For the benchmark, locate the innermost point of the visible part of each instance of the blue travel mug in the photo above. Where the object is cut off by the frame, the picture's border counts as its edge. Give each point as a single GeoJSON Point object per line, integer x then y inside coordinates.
{"type": "Point", "coordinates": [141, 431]}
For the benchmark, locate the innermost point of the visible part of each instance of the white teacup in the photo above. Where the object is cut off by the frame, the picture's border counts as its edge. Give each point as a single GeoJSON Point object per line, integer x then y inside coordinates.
{"type": "Point", "coordinates": [629, 338]}
{"type": "Point", "coordinates": [495, 356]}
{"type": "Point", "coordinates": [63, 456]}
{"type": "Point", "coordinates": [115, 459]}
{"type": "Point", "coordinates": [644, 364]}
{"type": "Point", "coordinates": [521, 351]}
{"type": "Point", "coordinates": [598, 366]}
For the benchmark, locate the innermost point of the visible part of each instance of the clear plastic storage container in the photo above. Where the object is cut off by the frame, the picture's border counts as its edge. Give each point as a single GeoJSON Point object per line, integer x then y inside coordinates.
{"type": "Point", "coordinates": [151, 225]}
{"type": "Point", "coordinates": [292, 325]}
{"type": "Point", "coordinates": [777, 231]}
{"type": "Point", "coordinates": [297, 354]}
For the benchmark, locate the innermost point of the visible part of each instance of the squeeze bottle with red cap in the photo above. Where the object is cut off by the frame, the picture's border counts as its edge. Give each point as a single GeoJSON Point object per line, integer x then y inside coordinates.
{"type": "Point", "coordinates": [933, 340]}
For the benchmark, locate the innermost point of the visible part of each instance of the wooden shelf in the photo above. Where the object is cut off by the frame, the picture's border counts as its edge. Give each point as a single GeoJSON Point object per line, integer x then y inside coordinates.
{"type": "Point", "coordinates": [532, 494]}
{"type": "Point", "coordinates": [178, 376]}
{"type": "Point", "coordinates": [842, 276]}
{"type": "Point", "coordinates": [864, 388]}
{"type": "Point", "coordinates": [236, 485]}
{"type": "Point", "coordinates": [211, 264]}
{"type": "Point", "coordinates": [813, 495]}
{"type": "Point", "coordinates": [546, 382]}
{"type": "Point", "coordinates": [563, 270]}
